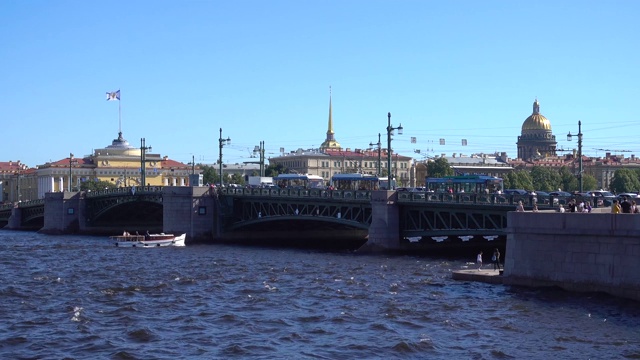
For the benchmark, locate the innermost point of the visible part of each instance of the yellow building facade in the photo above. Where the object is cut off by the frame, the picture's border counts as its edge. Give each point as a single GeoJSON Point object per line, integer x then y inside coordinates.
{"type": "Point", "coordinates": [119, 163]}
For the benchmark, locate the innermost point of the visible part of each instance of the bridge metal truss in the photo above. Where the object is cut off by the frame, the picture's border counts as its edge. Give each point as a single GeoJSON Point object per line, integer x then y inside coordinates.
{"type": "Point", "coordinates": [248, 210]}
{"type": "Point", "coordinates": [5, 214]}
{"type": "Point", "coordinates": [31, 213]}
{"type": "Point", "coordinates": [436, 219]}
{"type": "Point", "coordinates": [99, 205]}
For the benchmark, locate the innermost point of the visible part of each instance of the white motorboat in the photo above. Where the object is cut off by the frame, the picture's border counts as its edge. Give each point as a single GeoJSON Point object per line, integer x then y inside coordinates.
{"type": "Point", "coordinates": [149, 240]}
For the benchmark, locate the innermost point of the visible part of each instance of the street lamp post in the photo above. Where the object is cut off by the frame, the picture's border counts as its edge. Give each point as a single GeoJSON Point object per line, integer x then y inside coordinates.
{"type": "Point", "coordinates": [18, 186]}
{"type": "Point", "coordinates": [71, 162]}
{"type": "Point", "coordinates": [143, 161]}
{"type": "Point", "coordinates": [569, 136]}
{"type": "Point", "coordinates": [379, 145]}
{"type": "Point", "coordinates": [222, 143]}
{"type": "Point", "coordinates": [260, 151]}
{"type": "Point", "coordinates": [389, 133]}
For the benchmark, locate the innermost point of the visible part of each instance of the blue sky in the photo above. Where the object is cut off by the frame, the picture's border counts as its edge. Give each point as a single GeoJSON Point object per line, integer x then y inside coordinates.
{"type": "Point", "coordinates": [261, 71]}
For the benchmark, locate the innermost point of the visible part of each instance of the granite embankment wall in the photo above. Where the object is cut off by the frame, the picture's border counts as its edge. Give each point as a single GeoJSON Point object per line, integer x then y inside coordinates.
{"type": "Point", "coordinates": [577, 252]}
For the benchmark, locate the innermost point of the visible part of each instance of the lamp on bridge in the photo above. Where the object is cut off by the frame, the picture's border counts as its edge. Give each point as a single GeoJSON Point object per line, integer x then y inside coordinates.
{"type": "Point", "coordinates": [260, 151]}
{"type": "Point", "coordinates": [143, 161]}
{"type": "Point", "coordinates": [379, 145]}
{"type": "Point", "coordinates": [18, 195]}
{"type": "Point", "coordinates": [569, 136]}
{"type": "Point", "coordinates": [389, 133]}
{"type": "Point", "coordinates": [222, 143]}
{"type": "Point", "coordinates": [71, 162]}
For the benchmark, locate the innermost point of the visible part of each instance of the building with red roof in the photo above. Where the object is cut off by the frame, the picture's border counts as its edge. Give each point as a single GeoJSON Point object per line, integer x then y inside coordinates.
{"type": "Point", "coordinates": [119, 163]}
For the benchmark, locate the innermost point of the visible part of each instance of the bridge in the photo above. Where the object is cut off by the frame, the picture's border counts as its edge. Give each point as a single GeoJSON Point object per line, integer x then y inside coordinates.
{"type": "Point", "coordinates": [393, 219]}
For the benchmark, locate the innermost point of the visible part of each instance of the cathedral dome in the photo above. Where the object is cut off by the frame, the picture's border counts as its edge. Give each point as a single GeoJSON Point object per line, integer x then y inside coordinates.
{"type": "Point", "coordinates": [536, 121]}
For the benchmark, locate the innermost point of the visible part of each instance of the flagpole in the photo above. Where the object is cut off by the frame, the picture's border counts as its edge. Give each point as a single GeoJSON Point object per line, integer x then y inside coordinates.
{"type": "Point", "coordinates": [119, 114]}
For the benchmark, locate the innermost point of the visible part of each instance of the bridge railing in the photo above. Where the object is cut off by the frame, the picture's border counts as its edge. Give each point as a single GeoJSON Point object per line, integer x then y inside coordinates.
{"type": "Point", "coordinates": [358, 195]}
{"type": "Point", "coordinates": [7, 206]}
{"type": "Point", "coordinates": [125, 190]}
{"type": "Point", "coordinates": [30, 203]}
{"type": "Point", "coordinates": [482, 199]}
{"type": "Point", "coordinates": [22, 204]}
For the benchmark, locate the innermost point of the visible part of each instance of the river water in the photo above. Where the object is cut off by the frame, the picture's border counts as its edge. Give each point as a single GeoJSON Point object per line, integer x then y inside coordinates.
{"type": "Point", "coordinates": [81, 297]}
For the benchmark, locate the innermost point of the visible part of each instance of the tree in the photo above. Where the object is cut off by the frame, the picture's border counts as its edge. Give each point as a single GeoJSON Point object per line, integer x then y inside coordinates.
{"type": "Point", "coordinates": [209, 174]}
{"type": "Point", "coordinates": [568, 180]}
{"type": "Point", "coordinates": [237, 179]}
{"type": "Point", "coordinates": [624, 180]}
{"type": "Point", "coordinates": [520, 179]}
{"type": "Point", "coordinates": [524, 180]}
{"type": "Point", "coordinates": [589, 182]}
{"type": "Point", "coordinates": [545, 179]}
{"type": "Point", "coordinates": [274, 170]}
{"type": "Point", "coordinates": [439, 168]}
{"type": "Point", "coordinates": [96, 185]}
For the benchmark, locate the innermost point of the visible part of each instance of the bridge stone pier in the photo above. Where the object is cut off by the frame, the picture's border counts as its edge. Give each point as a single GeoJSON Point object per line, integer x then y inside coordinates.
{"type": "Point", "coordinates": [187, 210]}
{"type": "Point", "coordinates": [15, 219]}
{"type": "Point", "coordinates": [64, 213]}
{"type": "Point", "coordinates": [577, 252]}
{"type": "Point", "coordinates": [190, 210]}
{"type": "Point", "coordinates": [384, 231]}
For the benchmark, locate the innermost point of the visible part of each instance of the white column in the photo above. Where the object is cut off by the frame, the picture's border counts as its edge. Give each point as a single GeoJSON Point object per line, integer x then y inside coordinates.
{"type": "Point", "coordinates": [42, 187]}
{"type": "Point", "coordinates": [173, 181]}
{"type": "Point", "coordinates": [182, 182]}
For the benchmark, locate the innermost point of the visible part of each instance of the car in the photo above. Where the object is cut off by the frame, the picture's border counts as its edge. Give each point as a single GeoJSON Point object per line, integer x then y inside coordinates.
{"type": "Point", "coordinates": [411, 189]}
{"type": "Point", "coordinates": [560, 193]}
{"type": "Point", "coordinates": [515, 192]}
{"type": "Point", "coordinates": [543, 197]}
{"type": "Point", "coordinates": [628, 196]}
{"type": "Point", "coordinates": [603, 198]}
{"type": "Point", "coordinates": [601, 193]}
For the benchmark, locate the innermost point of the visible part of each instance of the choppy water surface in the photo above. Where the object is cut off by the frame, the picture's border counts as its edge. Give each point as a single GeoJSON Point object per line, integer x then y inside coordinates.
{"type": "Point", "coordinates": [81, 297]}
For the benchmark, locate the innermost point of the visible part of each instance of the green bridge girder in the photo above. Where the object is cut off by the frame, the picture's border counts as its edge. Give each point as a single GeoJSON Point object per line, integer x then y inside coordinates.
{"type": "Point", "coordinates": [242, 209]}
{"type": "Point", "coordinates": [421, 214]}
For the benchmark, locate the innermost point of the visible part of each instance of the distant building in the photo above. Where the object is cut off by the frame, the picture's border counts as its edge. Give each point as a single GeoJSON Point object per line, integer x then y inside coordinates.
{"type": "Point", "coordinates": [536, 140]}
{"type": "Point", "coordinates": [480, 164]}
{"type": "Point", "coordinates": [118, 163]}
{"type": "Point", "coordinates": [10, 174]}
{"type": "Point", "coordinates": [237, 169]}
{"type": "Point", "coordinates": [330, 162]}
{"type": "Point", "coordinates": [331, 159]}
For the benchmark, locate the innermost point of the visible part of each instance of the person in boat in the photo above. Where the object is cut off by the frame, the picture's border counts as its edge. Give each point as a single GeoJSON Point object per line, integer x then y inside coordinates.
{"type": "Point", "coordinates": [125, 233]}
{"type": "Point", "coordinates": [147, 235]}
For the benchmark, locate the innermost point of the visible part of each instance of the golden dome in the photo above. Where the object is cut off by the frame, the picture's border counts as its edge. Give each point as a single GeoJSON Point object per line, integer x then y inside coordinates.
{"type": "Point", "coordinates": [536, 121]}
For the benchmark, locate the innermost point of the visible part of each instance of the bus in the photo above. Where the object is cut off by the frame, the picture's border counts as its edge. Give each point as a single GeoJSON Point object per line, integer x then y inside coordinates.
{"type": "Point", "coordinates": [479, 184]}
{"type": "Point", "coordinates": [354, 182]}
{"type": "Point", "coordinates": [299, 181]}
{"type": "Point", "coordinates": [383, 184]}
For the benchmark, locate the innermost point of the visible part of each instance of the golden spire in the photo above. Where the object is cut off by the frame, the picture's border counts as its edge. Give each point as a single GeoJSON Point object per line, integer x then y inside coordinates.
{"type": "Point", "coordinates": [330, 142]}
